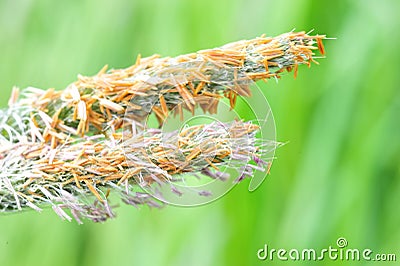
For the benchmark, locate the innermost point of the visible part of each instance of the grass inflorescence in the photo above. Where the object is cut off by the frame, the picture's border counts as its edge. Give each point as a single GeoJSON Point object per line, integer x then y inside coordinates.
{"type": "Point", "coordinates": [74, 147]}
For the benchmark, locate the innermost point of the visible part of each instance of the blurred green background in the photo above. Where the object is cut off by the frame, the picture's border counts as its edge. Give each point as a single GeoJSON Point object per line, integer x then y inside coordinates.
{"type": "Point", "coordinates": [338, 176]}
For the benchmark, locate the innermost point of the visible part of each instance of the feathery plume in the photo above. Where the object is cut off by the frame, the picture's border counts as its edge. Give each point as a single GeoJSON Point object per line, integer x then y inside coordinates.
{"type": "Point", "coordinates": [72, 148]}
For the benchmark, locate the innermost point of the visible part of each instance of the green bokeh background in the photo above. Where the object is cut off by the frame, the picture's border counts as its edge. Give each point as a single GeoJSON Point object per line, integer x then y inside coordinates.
{"type": "Point", "coordinates": [338, 175]}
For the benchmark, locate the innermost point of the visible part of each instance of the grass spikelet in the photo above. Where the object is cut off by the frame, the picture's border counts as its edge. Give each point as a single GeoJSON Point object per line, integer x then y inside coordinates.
{"type": "Point", "coordinates": [74, 148]}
